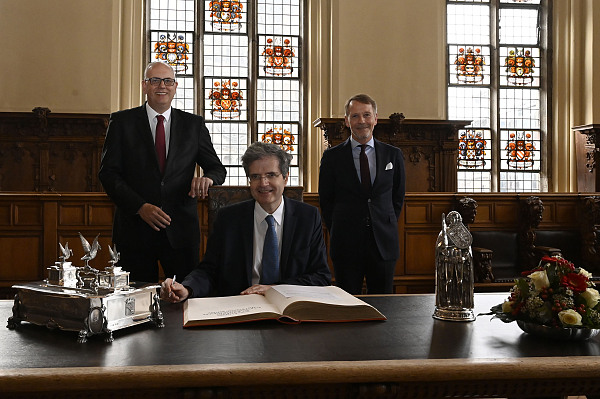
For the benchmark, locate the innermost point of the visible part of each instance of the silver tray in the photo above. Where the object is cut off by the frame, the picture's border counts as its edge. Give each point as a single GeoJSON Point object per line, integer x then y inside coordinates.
{"type": "Point", "coordinates": [86, 311]}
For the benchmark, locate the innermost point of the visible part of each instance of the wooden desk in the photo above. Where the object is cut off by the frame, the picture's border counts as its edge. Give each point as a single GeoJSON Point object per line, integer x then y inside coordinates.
{"type": "Point", "coordinates": [409, 355]}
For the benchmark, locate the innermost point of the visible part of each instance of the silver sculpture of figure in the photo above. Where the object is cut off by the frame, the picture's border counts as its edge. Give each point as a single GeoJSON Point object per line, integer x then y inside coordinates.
{"type": "Point", "coordinates": [114, 255]}
{"type": "Point", "coordinates": [454, 271]}
{"type": "Point", "coordinates": [65, 251]}
{"type": "Point", "coordinates": [90, 251]}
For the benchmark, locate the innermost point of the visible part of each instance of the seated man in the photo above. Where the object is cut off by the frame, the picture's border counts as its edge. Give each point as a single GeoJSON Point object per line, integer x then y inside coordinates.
{"type": "Point", "coordinates": [294, 250]}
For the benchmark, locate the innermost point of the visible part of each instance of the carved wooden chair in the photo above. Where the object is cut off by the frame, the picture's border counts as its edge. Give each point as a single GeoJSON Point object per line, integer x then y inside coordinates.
{"type": "Point", "coordinates": [503, 254]}
{"type": "Point", "coordinates": [590, 234]}
{"type": "Point", "coordinates": [220, 196]}
{"type": "Point", "coordinates": [482, 257]}
{"type": "Point", "coordinates": [534, 243]}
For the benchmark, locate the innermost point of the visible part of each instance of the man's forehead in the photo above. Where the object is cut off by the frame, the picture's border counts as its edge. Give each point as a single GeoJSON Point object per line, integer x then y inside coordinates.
{"type": "Point", "coordinates": [358, 107]}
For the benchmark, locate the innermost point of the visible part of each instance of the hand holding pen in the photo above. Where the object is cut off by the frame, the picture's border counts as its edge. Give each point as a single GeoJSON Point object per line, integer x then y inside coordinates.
{"type": "Point", "coordinates": [172, 291]}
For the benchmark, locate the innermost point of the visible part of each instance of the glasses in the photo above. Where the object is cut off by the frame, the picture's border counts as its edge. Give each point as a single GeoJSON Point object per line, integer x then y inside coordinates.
{"type": "Point", "coordinates": [156, 81]}
{"type": "Point", "coordinates": [269, 176]}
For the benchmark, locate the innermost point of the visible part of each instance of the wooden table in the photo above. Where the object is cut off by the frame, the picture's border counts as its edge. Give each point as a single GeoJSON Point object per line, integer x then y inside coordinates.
{"type": "Point", "coordinates": [409, 355]}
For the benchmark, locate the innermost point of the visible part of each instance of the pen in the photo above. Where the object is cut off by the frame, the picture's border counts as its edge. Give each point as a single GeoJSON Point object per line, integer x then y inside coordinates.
{"type": "Point", "coordinates": [172, 283]}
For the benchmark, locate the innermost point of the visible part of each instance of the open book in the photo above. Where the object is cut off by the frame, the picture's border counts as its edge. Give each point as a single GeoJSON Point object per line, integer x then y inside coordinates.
{"type": "Point", "coordinates": [287, 303]}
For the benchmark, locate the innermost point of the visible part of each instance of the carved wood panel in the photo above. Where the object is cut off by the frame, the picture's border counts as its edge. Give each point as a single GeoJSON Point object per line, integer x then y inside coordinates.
{"type": "Point", "coordinates": [45, 152]}
{"type": "Point", "coordinates": [32, 225]}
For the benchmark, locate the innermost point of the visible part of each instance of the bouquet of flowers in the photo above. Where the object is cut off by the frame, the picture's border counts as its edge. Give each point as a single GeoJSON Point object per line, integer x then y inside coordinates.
{"type": "Point", "coordinates": [555, 294]}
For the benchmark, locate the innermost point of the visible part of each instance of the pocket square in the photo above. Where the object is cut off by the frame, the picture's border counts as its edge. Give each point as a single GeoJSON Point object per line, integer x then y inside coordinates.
{"type": "Point", "coordinates": [389, 166]}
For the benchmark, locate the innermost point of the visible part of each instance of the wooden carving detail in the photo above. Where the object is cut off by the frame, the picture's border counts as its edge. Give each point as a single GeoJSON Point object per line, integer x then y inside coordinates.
{"type": "Point", "coordinates": [590, 233]}
{"type": "Point", "coordinates": [45, 152]}
{"type": "Point", "coordinates": [430, 147]}
{"type": "Point", "coordinates": [482, 257]}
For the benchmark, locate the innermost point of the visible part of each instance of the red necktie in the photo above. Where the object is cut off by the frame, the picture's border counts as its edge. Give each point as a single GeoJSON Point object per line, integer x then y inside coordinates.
{"type": "Point", "coordinates": [159, 143]}
{"type": "Point", "coordinates": [365, 174]}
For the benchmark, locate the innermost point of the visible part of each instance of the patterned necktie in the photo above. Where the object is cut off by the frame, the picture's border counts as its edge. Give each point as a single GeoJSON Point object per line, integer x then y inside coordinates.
{"type": "Point", "coordinates": [270, 259]}
{"type": "Point", "coordinates": [365, 174]}
{"type": "Point", "coordinates": [159, 143]}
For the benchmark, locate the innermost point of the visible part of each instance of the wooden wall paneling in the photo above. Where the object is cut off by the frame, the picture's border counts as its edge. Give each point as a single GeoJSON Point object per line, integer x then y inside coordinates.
{"type": "Point", "coordinates": [32, 225]}
{"type": "Point", "coordinates": [21, 239]}
{"type": "Point", "coordinates": [46, 152]}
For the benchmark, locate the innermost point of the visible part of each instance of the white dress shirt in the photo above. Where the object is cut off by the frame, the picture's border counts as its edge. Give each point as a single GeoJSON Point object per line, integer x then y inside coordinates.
{"type": "Point", "coordinates": [370, 151]}
{"type": "Point", "coordinates": [260, 230]}
{"type": "Point", "coordinates": [152, 114]}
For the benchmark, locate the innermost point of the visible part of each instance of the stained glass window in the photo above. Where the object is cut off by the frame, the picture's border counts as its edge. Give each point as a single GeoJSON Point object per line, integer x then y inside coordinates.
{"type": "Point", "coordinates": [242, 73]}
{"type": "Point", "coordinates": [495, 57]}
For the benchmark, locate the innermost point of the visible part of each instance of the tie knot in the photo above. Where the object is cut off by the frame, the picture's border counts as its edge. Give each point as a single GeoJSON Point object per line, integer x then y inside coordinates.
{"type": "Point", "coordinates": [363, 147]}
{"type": "Point", "coordinates": [160, 118]}
{"type": "Point", "coordinates": [270, 220]}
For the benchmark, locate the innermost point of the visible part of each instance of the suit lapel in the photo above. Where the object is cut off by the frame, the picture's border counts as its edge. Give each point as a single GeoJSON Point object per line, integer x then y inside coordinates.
{"type": "Point", "coordinates": [348, 160]}
{"type": "Point", "coordinates": [174, 140]}
{"type": "Point", "coordinates": [289, 227]}
{"type": "Point", "coordinates": [380, 159]}
{"type": "Point", "coordinates": [143, 127]}
{"type": "Point", "coordinates": [247, 226]}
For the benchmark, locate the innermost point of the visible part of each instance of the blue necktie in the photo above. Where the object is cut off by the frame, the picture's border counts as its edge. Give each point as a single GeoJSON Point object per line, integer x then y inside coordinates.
{"type": "Point", "coordinates": [270, 259]}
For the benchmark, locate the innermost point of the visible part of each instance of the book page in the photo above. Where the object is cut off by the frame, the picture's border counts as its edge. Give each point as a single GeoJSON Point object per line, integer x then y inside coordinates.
{"type": "Point", "coordinates": [318, 303]}
{"type": "Point", "coordinates": [198, 311]}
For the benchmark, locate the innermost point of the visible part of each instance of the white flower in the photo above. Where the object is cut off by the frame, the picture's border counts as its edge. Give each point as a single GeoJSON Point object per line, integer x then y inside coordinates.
{"type": "Point", "coordinates": [591, 297]}
{"type": "Point", "coordinates": [584, 272]}
{"type": "Point", "coordinates": [539, 279]}
{"type": "Point", "coordinates": [569, 317]}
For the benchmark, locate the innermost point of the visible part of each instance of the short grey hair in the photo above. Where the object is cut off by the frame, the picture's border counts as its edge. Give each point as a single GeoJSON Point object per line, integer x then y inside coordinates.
{"type": "Point", "coordinates": [259, 150]}
{"type": "Point", "coordinates": [150, 65]}
{"type": "Point", "coordinates": [361, 98]}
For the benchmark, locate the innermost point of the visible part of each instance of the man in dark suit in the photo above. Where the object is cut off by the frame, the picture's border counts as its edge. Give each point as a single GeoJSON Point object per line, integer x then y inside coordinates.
{"type": "Point", "coordinates": [361, 192]}
{"type": "Point", "coordinates": [235, 259]}
{"type": "Point", "coordinates": [147, 169]}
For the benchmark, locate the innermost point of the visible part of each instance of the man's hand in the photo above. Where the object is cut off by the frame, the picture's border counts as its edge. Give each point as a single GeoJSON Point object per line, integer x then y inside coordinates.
{"type": "Point", "coordinates": [173, 291]}
{"type": "Point", "coordinates": [200, 187]}
{"type": "Point", "coordinates": [256, 289]}
{"type": "Point", "coordinates": [154, 216]}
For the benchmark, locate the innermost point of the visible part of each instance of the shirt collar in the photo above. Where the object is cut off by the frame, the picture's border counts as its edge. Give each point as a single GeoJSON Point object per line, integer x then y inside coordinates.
{"type": "Point", "coordinates": [152, 113]}
{"type": "Point", "coordinates": [260, 214]}
{"type": "Point", "coordinates": [354, 143]}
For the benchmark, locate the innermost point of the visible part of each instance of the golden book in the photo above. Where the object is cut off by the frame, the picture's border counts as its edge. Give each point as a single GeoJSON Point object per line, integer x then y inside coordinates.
{"type": "Point", "coordinates": [286, 303]}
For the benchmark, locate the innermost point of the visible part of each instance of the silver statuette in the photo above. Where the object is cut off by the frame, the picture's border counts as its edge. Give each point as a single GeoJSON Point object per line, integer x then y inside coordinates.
{"type": "Point", "coordinates": [454, 290]}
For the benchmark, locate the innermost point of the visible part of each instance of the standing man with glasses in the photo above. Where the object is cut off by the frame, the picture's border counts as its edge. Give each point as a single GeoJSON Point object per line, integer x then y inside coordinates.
{"type": "Point", "coordinates": [147, 169]}
{"type": "Point", "coordinates": [361, 192]}
{"type": "Point", "coordinates": [267, 240]}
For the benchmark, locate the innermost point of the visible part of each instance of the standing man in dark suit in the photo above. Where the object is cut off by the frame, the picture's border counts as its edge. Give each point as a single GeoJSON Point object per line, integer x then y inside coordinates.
{"type": "Point", "coordinates": [147, 169]}
{"type": "Point", "coordinates": [236, 259]}
{"type": "Point", "coordinates": [361, 192]}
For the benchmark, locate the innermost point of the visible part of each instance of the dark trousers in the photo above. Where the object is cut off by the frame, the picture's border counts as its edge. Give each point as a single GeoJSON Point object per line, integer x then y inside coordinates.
{"type": "Point", "coordinates": [350, 271]}
{"type": "Point", "coordinates": [141, 259]}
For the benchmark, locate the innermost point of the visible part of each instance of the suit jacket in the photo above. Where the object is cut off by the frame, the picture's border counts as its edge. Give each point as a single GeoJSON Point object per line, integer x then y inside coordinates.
{"type": "Point", "coordinates": [345, 207]}
{"type": "Point", "coordinates": [227, 265]}
{"type": "Point", "coordinates": [130, 173]}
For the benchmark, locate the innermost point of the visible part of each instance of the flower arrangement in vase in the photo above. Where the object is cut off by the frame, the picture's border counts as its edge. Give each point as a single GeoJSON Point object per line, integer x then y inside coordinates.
{"type": "Point", "coordinates": [556, 295]}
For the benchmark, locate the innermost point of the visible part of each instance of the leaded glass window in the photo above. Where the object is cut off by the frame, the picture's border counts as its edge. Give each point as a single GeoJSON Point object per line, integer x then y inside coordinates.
{"type": "Point", "coordinates": [239, 64]}
{"type": "Point", "coordinates": [496, 52]}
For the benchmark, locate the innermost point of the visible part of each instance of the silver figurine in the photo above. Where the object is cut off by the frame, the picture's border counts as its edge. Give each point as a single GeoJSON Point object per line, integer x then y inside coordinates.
{"type": "Point", "coordinates": [454, 288]}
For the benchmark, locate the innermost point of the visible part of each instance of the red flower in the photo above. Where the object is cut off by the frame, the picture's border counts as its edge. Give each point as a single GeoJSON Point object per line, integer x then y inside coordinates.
{"type": "Point", "coordinates": [576, 282]}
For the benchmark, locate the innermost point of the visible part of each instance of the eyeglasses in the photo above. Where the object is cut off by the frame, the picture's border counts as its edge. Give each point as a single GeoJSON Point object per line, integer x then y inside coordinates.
{"type": "Point", "coordinates": [269, 176]}
{"type": "Point", "coordinates": [156, 81]}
